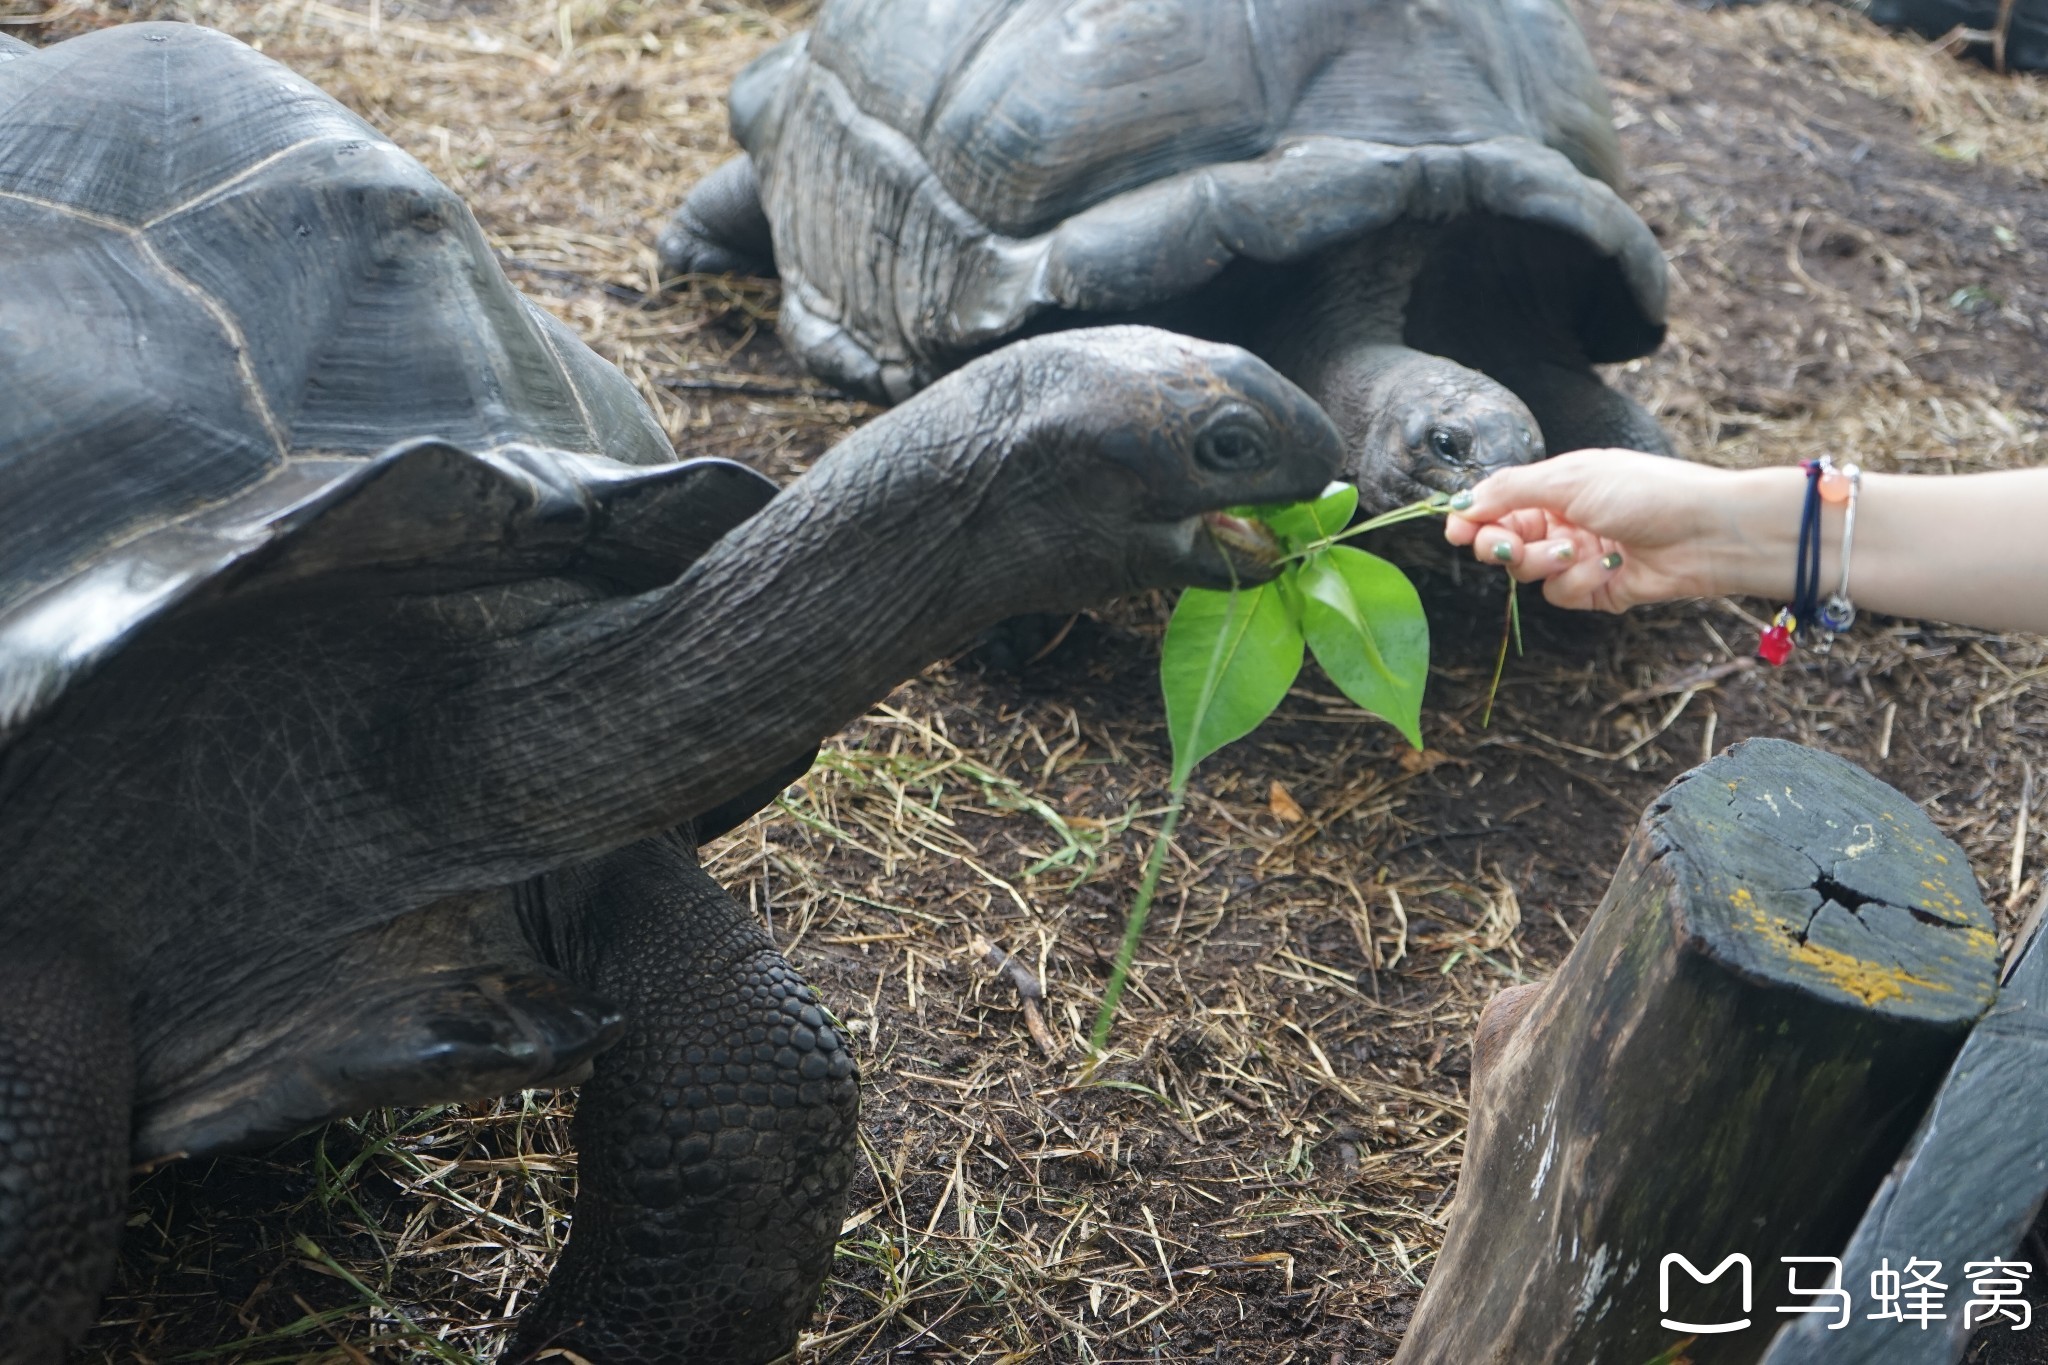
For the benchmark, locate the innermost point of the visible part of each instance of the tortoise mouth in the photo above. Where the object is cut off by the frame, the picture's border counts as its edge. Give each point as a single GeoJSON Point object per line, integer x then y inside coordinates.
{"type": "Point", "coordinates": [1244, 539]}
{"type": "Point", "coordinates": [1436, 479]}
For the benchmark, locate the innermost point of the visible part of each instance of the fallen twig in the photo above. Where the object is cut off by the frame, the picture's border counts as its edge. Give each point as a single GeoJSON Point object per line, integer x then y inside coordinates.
{"type": "Point", "coordinates": [1029, 990]}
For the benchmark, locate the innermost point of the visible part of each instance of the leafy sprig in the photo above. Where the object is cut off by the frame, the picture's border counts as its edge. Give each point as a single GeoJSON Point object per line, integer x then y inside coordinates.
{"type": "Point", "coordinates": [1229, 658]}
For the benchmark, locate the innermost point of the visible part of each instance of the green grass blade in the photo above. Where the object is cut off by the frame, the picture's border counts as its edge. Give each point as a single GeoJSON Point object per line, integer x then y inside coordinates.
{"type": "Point", "coordinates": [1134, 925]}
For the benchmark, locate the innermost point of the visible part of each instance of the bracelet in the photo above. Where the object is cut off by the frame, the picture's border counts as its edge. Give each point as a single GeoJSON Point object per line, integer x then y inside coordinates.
{"type": "Point", "coordinates": [1824, 483]}
{"type": "Point", "coordinates": [1838, 613]}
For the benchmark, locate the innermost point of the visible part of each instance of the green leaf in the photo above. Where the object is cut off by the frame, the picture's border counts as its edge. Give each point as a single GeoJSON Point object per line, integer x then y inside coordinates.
{"type": "Point", "coordinates": [1335, 508]}
{"type": "Point", "coordinates": [1364, 621]}
{"type": "Point", "coordinates": [1228, 659]}
{"type": "Point", "coordinates": [1303, 523]}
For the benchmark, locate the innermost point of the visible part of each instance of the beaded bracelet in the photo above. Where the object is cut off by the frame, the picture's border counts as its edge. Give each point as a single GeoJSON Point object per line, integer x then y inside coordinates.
{"type": "Point", "coordinates": [1824, 483]}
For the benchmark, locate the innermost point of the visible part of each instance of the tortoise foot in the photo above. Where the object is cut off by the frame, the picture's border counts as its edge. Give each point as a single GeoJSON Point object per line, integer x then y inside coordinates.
{"type": "Point", "coordinates": [720, 229]}
{"type": "Point", "coordinates": [715, 1142]}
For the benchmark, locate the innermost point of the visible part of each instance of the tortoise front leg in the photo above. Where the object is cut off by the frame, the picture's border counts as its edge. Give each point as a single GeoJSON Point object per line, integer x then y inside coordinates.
{"type": "Point", "coordinates": [67, 1079]}
{"type": "Point", "coordinates": [721, 229]}
{"type": "Point", "coordinates": [715, 1142]}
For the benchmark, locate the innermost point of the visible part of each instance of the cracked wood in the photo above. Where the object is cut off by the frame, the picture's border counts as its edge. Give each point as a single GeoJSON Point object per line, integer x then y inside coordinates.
{"type": "Point", "coordinates": [1783, 968]}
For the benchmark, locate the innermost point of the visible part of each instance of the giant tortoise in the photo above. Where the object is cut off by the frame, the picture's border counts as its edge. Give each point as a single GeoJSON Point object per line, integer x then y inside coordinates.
{"type": "Point", "coordinates": [1410, 207]}
{"type": "Point", "coordinates": [370, 672]}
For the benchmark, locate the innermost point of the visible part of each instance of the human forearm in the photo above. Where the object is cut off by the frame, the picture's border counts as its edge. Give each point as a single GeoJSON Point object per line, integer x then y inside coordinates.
{"type": "Point", "coordinates": [1612, 529]}
{"type": "Point", "coordinates": [1971, 549]}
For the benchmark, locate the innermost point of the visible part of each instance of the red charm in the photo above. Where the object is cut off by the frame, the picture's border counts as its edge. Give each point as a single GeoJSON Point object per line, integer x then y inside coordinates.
{"type": "Point", "coordinates": [1775, 645]}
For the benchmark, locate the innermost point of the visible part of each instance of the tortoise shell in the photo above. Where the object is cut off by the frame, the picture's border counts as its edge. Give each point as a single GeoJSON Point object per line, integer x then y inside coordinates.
{"type": "Point", "coordinates": [246, 340]}
{"type": "Point", "coordinates": [937, 176]}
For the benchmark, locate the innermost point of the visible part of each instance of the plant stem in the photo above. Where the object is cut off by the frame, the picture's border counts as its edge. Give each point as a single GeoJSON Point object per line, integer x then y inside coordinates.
{"type": "Point", "coordinates": [1429, 507]}
{"type": "Point", "coordinates": [1510, 629]}
{"type": "Point", "coordinates": [1134, 926]}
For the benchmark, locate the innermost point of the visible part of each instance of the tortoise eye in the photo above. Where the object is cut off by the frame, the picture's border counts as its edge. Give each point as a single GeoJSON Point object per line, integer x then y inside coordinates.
{"type": "Point", "coordinates": [1231, 447]}
{"type": "Point", "coordinates": [1443, 443]}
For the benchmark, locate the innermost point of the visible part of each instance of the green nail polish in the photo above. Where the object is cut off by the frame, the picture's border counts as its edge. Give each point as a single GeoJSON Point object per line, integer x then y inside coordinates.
{"type": "Point", "coordinates": [1503, 551]}
{"type": "Point", "coordinates": [1563, 554]}
{"type": "Point", "coordinates": [1461, 501]}
{"type": "Point", "coordinates": [1611, 561]}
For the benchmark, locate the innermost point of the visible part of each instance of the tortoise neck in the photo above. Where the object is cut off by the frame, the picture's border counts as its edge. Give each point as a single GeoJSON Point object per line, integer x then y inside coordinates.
{"type": "Point", "coordinates": [1351, 307]}
{"type": "Point", "coordinates": [641, 713]}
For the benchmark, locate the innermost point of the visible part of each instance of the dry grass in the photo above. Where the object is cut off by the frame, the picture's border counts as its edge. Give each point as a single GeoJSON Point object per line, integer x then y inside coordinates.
{"type": "Point", "coordinates": [1264, 1176]}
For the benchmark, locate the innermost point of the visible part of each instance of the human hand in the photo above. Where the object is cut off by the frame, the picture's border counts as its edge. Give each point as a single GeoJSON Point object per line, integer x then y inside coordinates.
{"type": "Point", "coordinates": [1613, 529]}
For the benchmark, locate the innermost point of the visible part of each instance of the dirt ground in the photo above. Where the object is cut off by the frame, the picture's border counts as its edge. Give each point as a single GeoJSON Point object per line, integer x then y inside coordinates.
{"type": "Point", "coordinates": [1858, 230]}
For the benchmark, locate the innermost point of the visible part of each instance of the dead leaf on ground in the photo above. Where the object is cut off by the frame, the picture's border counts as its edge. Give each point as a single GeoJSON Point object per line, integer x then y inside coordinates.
{"type": "Point", "coordinates": [1283, 805]}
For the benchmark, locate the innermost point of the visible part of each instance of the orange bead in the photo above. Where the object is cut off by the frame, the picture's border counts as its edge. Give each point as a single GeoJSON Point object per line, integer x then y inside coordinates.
{"type": "Point", "coordinates": [1834, 486]}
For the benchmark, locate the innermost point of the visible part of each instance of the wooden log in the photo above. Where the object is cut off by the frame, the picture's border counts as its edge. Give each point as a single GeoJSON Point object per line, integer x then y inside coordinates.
{"type": "Point", "coordinates": [1967, 1189]}
{"type": "Point", "coordinates": [1728, 1062]}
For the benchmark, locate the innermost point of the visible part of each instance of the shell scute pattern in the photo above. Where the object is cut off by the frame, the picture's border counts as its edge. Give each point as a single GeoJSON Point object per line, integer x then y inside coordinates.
{"type": "Point", "coordinates": [1102, 157]}
{"type": "Point", "coordinates": [155, 140]}
{"type": "Point", "coordinates": [277, 304]}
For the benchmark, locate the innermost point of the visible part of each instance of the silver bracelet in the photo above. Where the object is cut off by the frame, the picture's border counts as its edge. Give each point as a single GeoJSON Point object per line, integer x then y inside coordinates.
{"type": "Point", "coordinates": [1838, 613]}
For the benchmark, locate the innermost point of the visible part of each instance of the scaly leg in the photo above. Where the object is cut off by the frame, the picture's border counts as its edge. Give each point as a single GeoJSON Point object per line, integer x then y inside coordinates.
{"type": "Point", "coordinates": [715, 1142]}
{"type": "Point", "coordinates": [66, 1083]}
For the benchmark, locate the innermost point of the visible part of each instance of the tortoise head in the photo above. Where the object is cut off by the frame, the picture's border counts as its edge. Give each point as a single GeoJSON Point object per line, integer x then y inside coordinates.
{"type": "Point", "coordinates": [1106, 459]}
{"type": "Point", "coordinates": [1417, 424]}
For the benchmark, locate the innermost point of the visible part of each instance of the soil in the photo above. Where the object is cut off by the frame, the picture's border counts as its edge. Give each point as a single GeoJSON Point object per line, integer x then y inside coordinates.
{"type": "Point", "coordinates": [1858, 230]}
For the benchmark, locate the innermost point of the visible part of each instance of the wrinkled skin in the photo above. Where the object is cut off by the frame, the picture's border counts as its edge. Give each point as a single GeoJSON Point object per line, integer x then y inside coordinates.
{"type": "Point", "coordinates": [1415, 425]}
{"type": "Point", "coordinates": [460, 824]}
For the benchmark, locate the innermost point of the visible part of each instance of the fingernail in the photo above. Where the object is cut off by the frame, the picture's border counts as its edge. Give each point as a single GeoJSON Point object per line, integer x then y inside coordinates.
{"type": "Point", "coordinates": [1503, 551]}
{"type": "Point", "coordinates": [1461, 501]}
{"type": "Point", "coordinates": [1611, 561]}
{"type": "Point", "coordinates": [1563, 554]}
